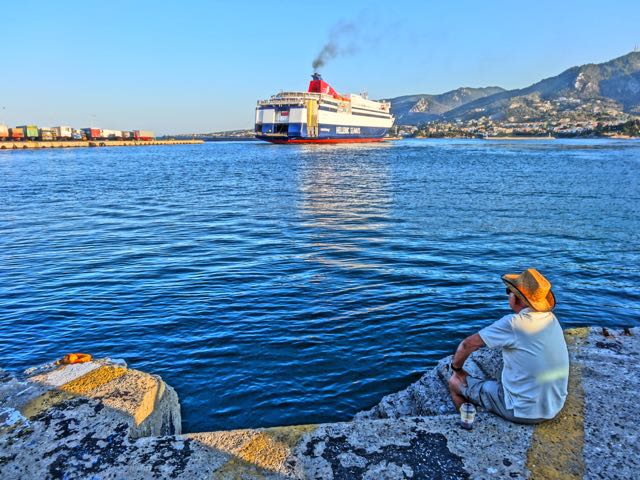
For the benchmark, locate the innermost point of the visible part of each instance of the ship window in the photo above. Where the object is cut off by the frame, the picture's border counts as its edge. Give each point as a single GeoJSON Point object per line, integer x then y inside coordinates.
{"type": "Point", "coordinates": [258, 128]}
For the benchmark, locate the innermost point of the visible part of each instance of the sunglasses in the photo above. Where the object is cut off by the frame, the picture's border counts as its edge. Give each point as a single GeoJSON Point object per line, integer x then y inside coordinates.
{"type": "Point", "coordinates": [509, 292]}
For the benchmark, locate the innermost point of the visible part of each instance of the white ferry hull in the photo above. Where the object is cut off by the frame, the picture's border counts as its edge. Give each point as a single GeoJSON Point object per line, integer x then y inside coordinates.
{"type": "Point", "coordinates": [318, 117]}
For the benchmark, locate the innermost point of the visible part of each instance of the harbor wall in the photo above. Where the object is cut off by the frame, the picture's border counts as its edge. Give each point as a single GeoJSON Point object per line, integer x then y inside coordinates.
{"type": "Point", "coordinates": [10, 145]}
{"type": "Point", "coordinates": [103, 420]}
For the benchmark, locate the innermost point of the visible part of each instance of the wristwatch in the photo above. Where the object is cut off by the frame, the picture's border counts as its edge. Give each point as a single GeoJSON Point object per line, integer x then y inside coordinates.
{"type": "Point", "coordinates": [455, 369]}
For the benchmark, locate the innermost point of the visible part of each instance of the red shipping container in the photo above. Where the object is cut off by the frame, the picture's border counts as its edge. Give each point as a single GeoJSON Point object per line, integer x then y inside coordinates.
{"type": "Point", "coordinates": [17, 133]}
{"type": "Point", "coordinates": [143, 135]}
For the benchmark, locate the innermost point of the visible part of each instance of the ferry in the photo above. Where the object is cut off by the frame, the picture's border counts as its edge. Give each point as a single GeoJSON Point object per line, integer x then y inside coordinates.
{"type": "Point", "coordinates": [321, 115]}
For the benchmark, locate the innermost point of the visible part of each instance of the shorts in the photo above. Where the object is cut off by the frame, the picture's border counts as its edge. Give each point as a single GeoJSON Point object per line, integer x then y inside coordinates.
{"type": "Point", "coordinates": [489, 394]}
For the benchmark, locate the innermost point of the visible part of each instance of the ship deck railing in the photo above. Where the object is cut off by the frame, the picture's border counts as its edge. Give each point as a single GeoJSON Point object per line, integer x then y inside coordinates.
{"type": "Point", "coordinates": [289, 98]}
{"type": "Point", "coordinates": [286, 98]}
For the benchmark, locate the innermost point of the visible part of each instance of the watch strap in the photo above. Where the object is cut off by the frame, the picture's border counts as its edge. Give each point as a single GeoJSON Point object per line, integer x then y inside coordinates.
{"type": "Point", "coordinates": [455, 369]}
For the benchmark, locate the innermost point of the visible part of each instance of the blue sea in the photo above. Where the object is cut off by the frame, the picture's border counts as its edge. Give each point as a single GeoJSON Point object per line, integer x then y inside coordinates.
{"type": "Point", "coordinates": [274, 285]}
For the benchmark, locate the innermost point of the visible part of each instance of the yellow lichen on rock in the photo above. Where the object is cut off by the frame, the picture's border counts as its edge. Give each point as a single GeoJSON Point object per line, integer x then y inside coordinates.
{"type": "Point", "coordinates": [556, 445]}
{"type": "Point", "coordinates": [254, 453]}
{"type": "Point", "coordinates": [570, 334]}
{"type": "Point", "coordinates": [134, 393]}
{"type": "Point", "coordinates": [93, 380]}
{"type": "Point", "coordinates": [270, 447]}
{"type": "Point", "coordinates": [83, 385]}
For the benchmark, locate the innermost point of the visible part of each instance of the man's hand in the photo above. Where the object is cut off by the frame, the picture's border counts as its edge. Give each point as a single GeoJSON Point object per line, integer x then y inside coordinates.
{"type": "Point", "coordinates": [461, 376]}
{"type": "Point", "coordinates": [459, 379]}
{"type": "Point", "coordinates": [456, 382]}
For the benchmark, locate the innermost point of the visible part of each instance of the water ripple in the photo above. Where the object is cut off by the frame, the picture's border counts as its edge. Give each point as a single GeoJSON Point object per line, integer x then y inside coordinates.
{"type": "Point", "coordinates": [275, 285]}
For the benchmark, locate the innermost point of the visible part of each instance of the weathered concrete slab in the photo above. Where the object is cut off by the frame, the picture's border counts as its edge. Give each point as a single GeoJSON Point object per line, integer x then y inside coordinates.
{"type": "Point", "coordinates": [59, 376]}
{"type": "Point", "coordinates": [597, 419]}
{"type": "Point", "coordinates": [255, 453]}
{"type": "Point", "coordinates": [87, 426]}
{"type": "Point", "coordinates": [74, 420]}
{"type": "Point", "coordinates": [413, 447]}
{"type": "Point", "coordinates": [610, 376]}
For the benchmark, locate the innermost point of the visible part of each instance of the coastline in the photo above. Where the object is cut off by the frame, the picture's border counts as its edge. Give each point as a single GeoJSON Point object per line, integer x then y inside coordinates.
{"type": "Point", "coordinates": [585, 137]}
{"type": "Point", "coordinates": [519, 138]}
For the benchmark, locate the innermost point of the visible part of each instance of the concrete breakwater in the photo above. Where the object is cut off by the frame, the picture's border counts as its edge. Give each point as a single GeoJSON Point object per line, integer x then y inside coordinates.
{"type": "Point", "coordinates": [103, 420]}
{"type": "Point", "coordinates": [92, 143]}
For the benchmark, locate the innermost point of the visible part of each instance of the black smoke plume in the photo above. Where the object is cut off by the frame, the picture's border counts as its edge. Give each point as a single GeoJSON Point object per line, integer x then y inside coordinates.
{"type": "Point", "coordinates": [341, 42]}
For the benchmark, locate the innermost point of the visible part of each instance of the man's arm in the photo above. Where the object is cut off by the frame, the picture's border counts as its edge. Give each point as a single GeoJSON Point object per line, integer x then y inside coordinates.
{"type": "Point", "coordinates": [466, 348]}
{"type": "Point", "coordinates": [459, 378]}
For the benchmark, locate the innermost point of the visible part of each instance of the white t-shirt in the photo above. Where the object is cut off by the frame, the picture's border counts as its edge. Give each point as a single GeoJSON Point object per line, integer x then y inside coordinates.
{"type": "Point", "coordinates": [536, 362]}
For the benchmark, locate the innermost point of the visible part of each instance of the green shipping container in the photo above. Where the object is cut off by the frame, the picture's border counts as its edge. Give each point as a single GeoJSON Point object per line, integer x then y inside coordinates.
{"type": "Point", "coordinates": [30, 131]}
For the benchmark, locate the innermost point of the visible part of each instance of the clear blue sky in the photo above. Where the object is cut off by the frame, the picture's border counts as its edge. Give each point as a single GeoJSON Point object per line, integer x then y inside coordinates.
{"type": "Point", "coordinates": [199, 66]}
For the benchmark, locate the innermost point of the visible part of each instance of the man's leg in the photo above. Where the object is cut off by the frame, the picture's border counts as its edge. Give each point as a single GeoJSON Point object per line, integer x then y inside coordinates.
{"type": "Point", "coordinates": [491, 396]}
{"type": "Point", "coordinates": [456, 383]}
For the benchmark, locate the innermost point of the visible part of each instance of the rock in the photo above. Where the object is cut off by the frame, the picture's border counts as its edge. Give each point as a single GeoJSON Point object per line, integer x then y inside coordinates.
{"type": "Point", "coordinates": [79, 419]}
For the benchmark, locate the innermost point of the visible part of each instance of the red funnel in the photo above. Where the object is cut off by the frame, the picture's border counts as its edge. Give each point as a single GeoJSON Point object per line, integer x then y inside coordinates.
{"type": "Point", "coordinates": [317, 85]}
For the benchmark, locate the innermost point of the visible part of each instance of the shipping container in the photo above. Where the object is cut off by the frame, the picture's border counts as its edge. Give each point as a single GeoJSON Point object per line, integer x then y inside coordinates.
{"type": "Point", "coordinates": [63, 133]}
{"type": "Point", "coordinates": [4, 132]}
{"type": "Point", "coordinates": [143, 135]}
{"type": "Point", "coordinates": [16, 133]}
{"type": "Point", "coordinates": [46, 134]}
{"type": "Point", "coordinates": [30, 131]}
{"type": "Point", "coordinates": [126, 135]}
{"type": "Point", "coordinates": [78, 134]}
{"type": "Point", "coordinates": [112, 134]}
{"type": "Point", "coordinates": [92, 133]}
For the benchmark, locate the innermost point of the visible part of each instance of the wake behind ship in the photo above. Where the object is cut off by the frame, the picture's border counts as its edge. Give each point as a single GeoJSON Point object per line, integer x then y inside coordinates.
{"type": "Point", "coordinates": [321, 115]}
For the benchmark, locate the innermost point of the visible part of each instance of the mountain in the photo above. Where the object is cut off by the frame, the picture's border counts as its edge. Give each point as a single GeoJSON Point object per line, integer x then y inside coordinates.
{"type": "Point", "coordinates": [613, 86]}
{"type": "Point", "coordinates": [415, 109]}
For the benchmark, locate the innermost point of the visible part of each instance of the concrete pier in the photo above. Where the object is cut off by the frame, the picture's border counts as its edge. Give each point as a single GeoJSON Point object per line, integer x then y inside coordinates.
{"type": "Point", "coordinates": [10, 145]}
{"type": "Point", "coordinates": [102, 420]}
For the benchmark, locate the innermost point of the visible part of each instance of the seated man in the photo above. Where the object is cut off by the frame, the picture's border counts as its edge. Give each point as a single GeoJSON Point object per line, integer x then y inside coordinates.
{"type": "Point", "coordinates": [534, 380]}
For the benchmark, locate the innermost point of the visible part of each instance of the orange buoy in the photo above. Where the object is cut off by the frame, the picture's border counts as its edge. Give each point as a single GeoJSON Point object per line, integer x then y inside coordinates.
{"type": "Point", "coordinates": [75, 358]}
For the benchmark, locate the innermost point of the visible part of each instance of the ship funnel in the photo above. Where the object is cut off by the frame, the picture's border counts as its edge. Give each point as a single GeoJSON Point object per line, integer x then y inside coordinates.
{"type": "Point", "coordinates": [317, 85]}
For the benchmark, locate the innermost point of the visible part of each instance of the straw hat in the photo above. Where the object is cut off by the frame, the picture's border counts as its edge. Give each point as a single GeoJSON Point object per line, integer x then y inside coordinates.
{"type": "Point", "coordinates": [531, 287]}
